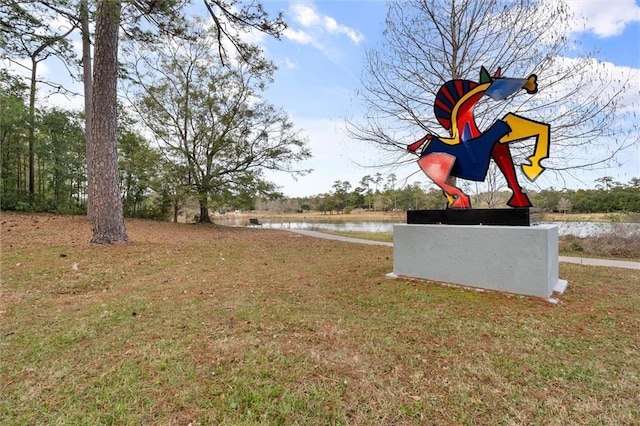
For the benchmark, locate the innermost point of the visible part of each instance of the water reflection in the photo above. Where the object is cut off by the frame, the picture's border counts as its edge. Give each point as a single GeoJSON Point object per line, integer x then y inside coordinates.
{"type": "Point", "coordinates": [379, 226]}
{"type": "Point", "coordinates": [579, 229]}
{"type": "Point", "coordinates": [374, 227]}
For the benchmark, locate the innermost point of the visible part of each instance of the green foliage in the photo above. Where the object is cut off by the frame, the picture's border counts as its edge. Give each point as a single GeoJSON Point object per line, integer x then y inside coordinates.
{"type": "Point", "coordinates": [61, 159]}
{"type": "Point", "coordinates": [60, 162]}
{"type": "Point", "coordinates": [13, 128]}
{"type": "Point", "coordinates": [211, 122]}
{"type": "Point", "coordinates": [139, 174]}
{"type": "Point", "coordinates": [610, 197]}
{"type": "Point", "coordinates": [58, 158]}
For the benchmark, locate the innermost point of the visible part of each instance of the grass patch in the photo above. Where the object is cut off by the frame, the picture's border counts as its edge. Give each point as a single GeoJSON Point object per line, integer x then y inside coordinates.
{"type": "Point", "coordinates": [374, 236]}
{"type": "Point", "coordinates": [212, 325]}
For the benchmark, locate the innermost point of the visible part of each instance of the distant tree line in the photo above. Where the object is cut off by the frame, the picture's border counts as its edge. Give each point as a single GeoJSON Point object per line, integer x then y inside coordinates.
{"type": "Point", "coordinates": [151, 186]}
{"type": "Point", "coordinates": [377, 194]}
{"type": "Point", "coordinates": [608, 196]}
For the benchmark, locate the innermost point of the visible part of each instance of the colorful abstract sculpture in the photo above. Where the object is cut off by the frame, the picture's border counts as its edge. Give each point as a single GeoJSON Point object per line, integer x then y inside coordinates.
{"type": "Point", "coordinates": [466, 154]}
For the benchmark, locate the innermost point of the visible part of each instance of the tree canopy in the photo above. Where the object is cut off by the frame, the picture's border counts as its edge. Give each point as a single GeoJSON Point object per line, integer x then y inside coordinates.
{"type": "Point", "coordinates": [210, 119]}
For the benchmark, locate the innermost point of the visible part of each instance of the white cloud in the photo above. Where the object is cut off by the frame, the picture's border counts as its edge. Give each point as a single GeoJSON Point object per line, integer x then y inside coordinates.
{"type": "Point", "coordinates": [318, 26]}
{"type": "Point", "coordinates": [299, 36]}
{"type": "Point", "coordinates": [289, 64]}
{"type": "Point", "coordinates": [603, 18]}
{"type": "Point", "coordinates": [303, 37]}
{"type": "Point", "coordinates": [304, 15]}
{"type": "Point", "coordinates": [332, 26]}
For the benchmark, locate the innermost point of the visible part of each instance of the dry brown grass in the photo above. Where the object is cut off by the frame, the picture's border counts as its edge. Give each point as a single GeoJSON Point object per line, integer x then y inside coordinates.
{"type": "Point", "coordinates": [605, 246]}
{"type": "Point", "coordinates": [592, 217]}
{"type": "Point", "coordinates": [212, 325]}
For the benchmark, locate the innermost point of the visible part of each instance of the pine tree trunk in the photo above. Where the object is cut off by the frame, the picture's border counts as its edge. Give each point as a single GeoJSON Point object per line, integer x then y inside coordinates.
{"type": "Point", "coordinates": [108, 221]}
{"type": "Point", "coordinates": [88, 97]}
{"type": "Point", "coordinates": [32, 126]}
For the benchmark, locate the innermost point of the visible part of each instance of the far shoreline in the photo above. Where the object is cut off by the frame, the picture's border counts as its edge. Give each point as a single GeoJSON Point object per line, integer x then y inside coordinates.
{"type": "Point", "coordinates": [400, 216]}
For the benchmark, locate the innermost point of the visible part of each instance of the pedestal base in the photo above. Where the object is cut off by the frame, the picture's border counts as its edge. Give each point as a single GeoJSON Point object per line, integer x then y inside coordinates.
{"type": "Point", "coordinates": [520, 260]}
{"type": "Point", "coordinates": [493, 217]}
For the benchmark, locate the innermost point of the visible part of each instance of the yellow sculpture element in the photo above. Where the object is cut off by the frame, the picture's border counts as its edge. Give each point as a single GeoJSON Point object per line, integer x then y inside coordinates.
{"type": "Point", "coordinates": [531, 86]}
{"type": "Point", "coordinates": [524, 128]}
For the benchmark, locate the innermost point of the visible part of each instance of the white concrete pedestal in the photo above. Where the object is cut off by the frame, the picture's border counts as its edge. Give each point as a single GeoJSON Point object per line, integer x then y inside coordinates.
{"type": "Point", "coordinates": [513, 259]}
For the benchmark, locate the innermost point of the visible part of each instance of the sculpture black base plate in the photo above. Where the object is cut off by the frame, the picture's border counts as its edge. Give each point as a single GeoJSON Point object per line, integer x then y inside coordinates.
{"type": "Point", "coordinates": [525, 216]}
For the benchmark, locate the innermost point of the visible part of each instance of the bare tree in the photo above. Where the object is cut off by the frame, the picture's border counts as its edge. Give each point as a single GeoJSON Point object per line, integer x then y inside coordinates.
{"type": "Point", "coordinates": [488, 193]}
{"type": "Point", "coordinates": [428, 42]}
{"type": "Point", "coordinates": [565, 205]}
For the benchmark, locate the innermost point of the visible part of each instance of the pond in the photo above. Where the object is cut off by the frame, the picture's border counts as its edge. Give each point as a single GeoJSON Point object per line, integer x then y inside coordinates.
{"type": "Point", "coordinates": [579, 229]}
{"type": "Point", "coordinates": [319, 224]}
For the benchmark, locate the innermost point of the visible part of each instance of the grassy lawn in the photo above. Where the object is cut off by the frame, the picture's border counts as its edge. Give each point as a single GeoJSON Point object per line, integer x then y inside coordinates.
{"type": "Point", "coordinates": [195, 324]}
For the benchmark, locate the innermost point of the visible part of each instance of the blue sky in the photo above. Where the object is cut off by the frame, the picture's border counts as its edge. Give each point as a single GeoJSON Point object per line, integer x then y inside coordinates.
{"type": "Point", "coordinates": [321, 58]}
